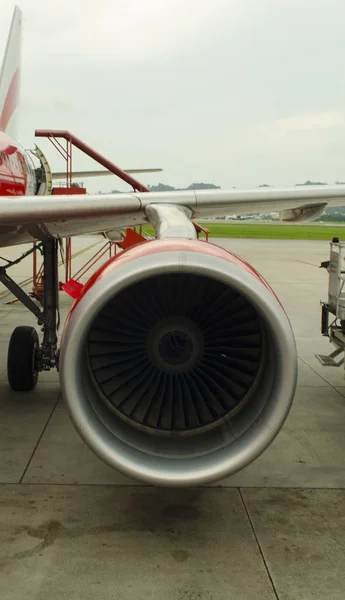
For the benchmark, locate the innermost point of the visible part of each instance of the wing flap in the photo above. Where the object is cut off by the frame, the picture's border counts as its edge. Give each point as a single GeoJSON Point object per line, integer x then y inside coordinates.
{"type": "Point", "coordinates": [213, 203]}
{"type": "Point", "coordinates": [303, 213]}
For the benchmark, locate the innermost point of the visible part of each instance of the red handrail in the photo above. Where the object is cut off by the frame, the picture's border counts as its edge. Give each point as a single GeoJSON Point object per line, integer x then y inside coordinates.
{"type": "Point", "coordinates": [107, 164]}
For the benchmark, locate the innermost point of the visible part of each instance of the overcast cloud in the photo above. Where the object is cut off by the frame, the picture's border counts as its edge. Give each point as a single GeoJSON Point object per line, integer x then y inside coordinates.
{"type": "Point", "coordinates": [233, 92]}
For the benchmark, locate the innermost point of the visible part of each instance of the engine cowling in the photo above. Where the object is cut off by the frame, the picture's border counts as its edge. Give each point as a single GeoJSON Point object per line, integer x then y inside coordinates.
{"type": "Point", "coordinates": [178, 363]}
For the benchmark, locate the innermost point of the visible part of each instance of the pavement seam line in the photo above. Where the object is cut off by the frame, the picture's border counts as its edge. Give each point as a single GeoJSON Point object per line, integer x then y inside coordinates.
{"type": "Point", "coordinates": [258, 545]}
{"type": "Point", "coordinates": [323, 379]}
{"type": "Point", "coordinates": [40, 437]}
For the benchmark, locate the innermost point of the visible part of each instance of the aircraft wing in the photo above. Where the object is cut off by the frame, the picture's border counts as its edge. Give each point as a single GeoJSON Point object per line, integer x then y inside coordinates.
{"type": "Point", "coordinates": [27, 218]}
{"type": "Point", "coordinates": [100, 173]}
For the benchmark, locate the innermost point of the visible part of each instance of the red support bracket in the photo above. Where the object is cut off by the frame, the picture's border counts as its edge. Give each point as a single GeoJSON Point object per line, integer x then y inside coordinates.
{"type": "Point", "coordinates": [72, 140]}
{"type": "Point", "coordinates": [71, 285]}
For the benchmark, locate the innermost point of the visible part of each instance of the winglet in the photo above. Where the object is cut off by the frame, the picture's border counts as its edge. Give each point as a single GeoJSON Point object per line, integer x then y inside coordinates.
{"type": "Point", "coordinates": [10, 78]}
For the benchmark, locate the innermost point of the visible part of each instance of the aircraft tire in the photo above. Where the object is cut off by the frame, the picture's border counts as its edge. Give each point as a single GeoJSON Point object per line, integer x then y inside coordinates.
{"type": "Point", "coordinates": [22, 369]}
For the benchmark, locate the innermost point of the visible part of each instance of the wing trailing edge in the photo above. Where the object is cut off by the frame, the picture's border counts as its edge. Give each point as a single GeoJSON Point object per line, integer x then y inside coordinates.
{"type": "Point", "coordinates": [99, 173]}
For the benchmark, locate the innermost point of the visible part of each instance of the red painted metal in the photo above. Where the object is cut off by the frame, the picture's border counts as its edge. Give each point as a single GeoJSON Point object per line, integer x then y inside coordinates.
{"type": "Point", "coordinates": [200, 228]}
{"type": "Point", "coordinates": [37, 275]}
{"type": "Point", "coordinates": [132, 238]}
{"type": "Point", "coordinates": [72, 288]}
{"type": "Point", "coordinates": [71, 191]}
{"type": "Point", "coordinates": [108, 246]}
{"type": "Point", "coordinates": [11, 101]}
{"type": "Point", "coordinates": [68, 259]}
{"type": "Point", "coordinates": [70, 283]}
{"type": "Point", "coordinates": [107, 164]}
{"type": "Point", "coordinates": [159, 246]}
{"type": "Point", "coordinates": [13, 170]}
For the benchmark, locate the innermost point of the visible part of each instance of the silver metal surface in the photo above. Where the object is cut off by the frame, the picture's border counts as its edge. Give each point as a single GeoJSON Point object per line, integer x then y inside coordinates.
{"type": "Point", "coordinates": [43, 209]}
{"type": "Point", "coordinates": [180, 461]}
{"type": "Point", "coordinates": [114, 235]}
{"type": "Point", "coordinates": [171, 221]}
{"type": "Point", "coordinates": [24, 218]}
{"type": "Point", "coordinates": [336, 279]}
{"type": "Point", "coordinates": [100, 173]}
{"type": "Point", "coordinates": [303, 214]}
{"type": "Point", "coordinates": [209, 202]}
{"type": "Point", "coordinates": [327, 360]}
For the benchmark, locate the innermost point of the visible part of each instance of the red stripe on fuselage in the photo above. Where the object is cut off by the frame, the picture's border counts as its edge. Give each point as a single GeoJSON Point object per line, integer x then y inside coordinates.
{"type": "Point", "coordinates": [10, 102]}
{"type": "Point", "coordinates": [13, 169]}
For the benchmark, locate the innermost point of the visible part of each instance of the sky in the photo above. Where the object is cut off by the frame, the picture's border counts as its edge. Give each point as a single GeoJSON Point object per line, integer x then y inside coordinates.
{"type": "Point", "coordinates": [232, 92]}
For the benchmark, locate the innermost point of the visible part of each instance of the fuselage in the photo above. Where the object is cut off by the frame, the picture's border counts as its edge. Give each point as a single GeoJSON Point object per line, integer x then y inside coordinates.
{"type": "Point", "coordinates": [17, 175]}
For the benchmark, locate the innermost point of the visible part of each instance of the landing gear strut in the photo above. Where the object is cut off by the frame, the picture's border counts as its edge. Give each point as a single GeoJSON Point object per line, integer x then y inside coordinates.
{"type": "Point", "coordinates": [26, 357]}
{"type": "Point", "coordinates": [48, 353]}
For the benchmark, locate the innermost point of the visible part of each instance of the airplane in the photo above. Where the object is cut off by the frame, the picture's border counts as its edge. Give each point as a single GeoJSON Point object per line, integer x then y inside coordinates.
{"type": "Point", "coordinates": [177, 361]}
{"type": "Point", "coordinates": [18, 175]}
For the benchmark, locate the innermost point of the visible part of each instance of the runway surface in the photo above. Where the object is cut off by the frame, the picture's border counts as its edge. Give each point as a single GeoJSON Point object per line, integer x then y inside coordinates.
{"type": "Point", "coordinates": [71, 528]}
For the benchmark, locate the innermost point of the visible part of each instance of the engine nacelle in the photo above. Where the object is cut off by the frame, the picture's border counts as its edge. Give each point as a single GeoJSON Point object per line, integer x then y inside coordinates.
{"type": "Point", "coordinates": [178, 363]}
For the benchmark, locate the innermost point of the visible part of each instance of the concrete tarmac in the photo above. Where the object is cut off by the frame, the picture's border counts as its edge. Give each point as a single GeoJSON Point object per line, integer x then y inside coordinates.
{"type": "Point", "coordinates": [72, 528]}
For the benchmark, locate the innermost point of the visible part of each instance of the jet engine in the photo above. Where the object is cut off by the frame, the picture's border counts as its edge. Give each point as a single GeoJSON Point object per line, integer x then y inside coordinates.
{"type": "Point", "coordinates": [178, 363]}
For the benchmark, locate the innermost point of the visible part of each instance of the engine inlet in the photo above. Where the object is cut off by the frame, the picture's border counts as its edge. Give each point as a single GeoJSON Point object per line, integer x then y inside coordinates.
{"type": "Point", "coordinates": [176, 352]}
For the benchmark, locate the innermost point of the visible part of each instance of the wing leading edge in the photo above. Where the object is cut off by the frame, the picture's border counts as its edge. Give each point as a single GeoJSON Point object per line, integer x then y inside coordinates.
{"type": "Point", "coordinates": [27, 218]}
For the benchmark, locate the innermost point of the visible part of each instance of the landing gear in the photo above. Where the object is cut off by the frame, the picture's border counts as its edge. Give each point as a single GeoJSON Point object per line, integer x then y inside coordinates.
{"type": "Point", "coordinates": [22, 371]}
{"type": "Point", "coordinates": [48, 355]}
{"type": "Point", "coordinates": [26, 357]}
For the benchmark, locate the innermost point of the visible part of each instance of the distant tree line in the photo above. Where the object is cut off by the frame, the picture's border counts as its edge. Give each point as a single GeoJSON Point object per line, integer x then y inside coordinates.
{"type": "Point", "coordinates": [335, 214]}
{"type": "Point", "coordinates": [162, 187]}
